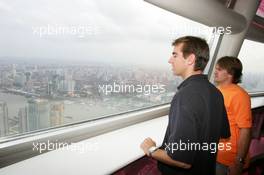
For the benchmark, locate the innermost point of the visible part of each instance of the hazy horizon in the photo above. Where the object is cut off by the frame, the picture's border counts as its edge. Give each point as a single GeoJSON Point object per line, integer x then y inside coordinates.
{"type": "Point", "coordinates": [137, 33]}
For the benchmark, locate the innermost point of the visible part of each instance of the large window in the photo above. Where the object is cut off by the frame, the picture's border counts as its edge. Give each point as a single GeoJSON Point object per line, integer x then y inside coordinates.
{"type": "Point", "coordinates": [69, 61]}
{"type": "Point", "coordinates": [251, 55]}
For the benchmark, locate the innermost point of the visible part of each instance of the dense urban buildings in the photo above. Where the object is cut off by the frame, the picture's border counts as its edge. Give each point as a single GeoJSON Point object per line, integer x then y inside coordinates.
{"type": "Point", "coordinates": [40, 96]}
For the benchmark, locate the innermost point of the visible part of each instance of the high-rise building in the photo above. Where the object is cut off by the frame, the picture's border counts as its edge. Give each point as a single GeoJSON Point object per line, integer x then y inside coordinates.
{"type": "Point", "coordinates": [67, 86]}
{"type": "Point", "coordinates": [1, 78]}
{"type": "Point", "coordinates": [28, 76]}
{"type": "Point", "coordinates": [50, 88]}
{"type": "Point", "coordinates": [20, 79]}
{"type": "Point", "coordinates": [3, 119]}
{"type": "Point", "coordinates": [13, 71]}
{"type": "Point", "coordinates": [38, 114]}
{"type": "Point", "coordinates": [56, 114]}
{"type": "Point", "coordinates": [23, 120]}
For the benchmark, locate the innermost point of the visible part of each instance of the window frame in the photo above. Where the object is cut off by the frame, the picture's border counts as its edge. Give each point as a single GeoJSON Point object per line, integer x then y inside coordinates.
{"type": "Point", "coordinates": [22, 145]}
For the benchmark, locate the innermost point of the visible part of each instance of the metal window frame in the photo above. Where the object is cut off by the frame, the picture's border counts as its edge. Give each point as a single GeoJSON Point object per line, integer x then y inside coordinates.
{"type": "Point", "coordinates": [15, 149]}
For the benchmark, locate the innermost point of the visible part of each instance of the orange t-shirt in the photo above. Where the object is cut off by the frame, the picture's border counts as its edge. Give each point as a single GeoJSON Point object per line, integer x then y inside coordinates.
{"type": "Point", "coordinates": [238, 108]}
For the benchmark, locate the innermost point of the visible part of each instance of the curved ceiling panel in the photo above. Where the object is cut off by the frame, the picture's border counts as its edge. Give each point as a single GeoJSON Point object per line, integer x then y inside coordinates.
{"type": "Point", "coordinates": [209, 12]}
{"type": "Point", "coordinates": [256, 29]}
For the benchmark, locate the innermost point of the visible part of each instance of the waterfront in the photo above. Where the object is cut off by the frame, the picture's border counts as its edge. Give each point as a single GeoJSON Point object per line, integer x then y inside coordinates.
{"type": "Point", "coordinates": [74, 109]}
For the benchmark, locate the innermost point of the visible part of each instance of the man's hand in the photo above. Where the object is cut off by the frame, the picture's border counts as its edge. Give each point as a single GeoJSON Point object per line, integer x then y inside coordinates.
{"type": "Point", "coordinates": [161, 155]}
{"type": "Point", "coordinates": [146, 144]}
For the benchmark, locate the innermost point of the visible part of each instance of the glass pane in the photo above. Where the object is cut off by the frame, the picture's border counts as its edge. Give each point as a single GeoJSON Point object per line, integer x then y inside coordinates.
{"type": "Point", "coordinates": [251, 55]}
{"type": "Point", "coordinates": [70, 61]}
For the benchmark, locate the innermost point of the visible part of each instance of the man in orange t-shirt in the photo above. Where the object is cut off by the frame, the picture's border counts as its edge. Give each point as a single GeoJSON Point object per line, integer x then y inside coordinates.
{"type": "Point", "coordinates": [228, 72]}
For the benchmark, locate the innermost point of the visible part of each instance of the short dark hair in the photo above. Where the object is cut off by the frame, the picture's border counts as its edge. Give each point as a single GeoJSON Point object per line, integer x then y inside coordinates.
{"type": "Point", "coordinates": [196, 46]}
{"type": "Point", "coordinates": [233, 66]}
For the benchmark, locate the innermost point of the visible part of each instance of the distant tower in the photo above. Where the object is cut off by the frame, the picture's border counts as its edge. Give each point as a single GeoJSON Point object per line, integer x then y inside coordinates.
{"type": "Point", "coordinates": [23, 120]}
{"type": "Point", "coordinates": [28, 76]}
{"type": "Point", "coordinates": [20, 80]}
{"type": "Point", "coordinates": [67, 86]}
{"type": "Point", "coordinates": [38, 114]}
{"type": "Point", "coordinates": [56, 114]}
{"type": "Point", "coordinates": [50, 88]}
{"type": "Point", "coordinates": [55, 83]}
{"type": "Point", "coordinates": [3, 119]}
{"type": "Point", "coordinates": [1, 78]}
{"type": "Point", "coordinates": [67, 75]}
{"type": "Point", "coordinates": [35, 68]}
{"type": "Point", "coordinates": [13, 71]}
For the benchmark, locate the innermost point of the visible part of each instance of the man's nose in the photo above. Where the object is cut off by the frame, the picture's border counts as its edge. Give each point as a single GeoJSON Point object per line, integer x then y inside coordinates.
{"type": "Point", "coordinates": [170, 60]}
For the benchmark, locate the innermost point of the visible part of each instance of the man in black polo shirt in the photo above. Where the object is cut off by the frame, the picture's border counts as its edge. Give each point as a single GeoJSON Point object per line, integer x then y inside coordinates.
{"type": "Point", "coordinates": [197, 118]}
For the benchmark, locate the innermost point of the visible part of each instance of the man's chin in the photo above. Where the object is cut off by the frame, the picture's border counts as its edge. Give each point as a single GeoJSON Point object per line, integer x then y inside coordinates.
{"type": "Point", "coordinates": [216, 82]}
{"type": "Point", "coordinates": [175, 73]}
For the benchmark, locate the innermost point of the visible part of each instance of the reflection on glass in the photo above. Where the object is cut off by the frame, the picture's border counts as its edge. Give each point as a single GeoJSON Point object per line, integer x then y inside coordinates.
{"type": "Point", "coordinates": [251, 55]}
{"type": "Point", "coordinates": [87, 60]}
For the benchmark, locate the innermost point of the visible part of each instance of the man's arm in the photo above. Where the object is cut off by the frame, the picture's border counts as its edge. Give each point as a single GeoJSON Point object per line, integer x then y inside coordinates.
{"type": "Point", "coordinates": [242, 109]}
{"type": "Point", "coordinates": [161, 155]}
{"type": "Point", "coordinates": [242, 150]}
{"type": "Point", "coordinates": [243, 142]}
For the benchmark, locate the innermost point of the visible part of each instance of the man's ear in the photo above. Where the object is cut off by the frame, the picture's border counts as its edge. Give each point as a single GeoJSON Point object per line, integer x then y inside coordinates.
{"type": "Point", "coordinates": [191, 59]}
{"type": "Point", "coordinates": [230, 76]}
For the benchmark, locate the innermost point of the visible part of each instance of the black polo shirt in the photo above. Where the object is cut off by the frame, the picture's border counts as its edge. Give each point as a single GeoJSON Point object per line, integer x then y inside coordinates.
{"type": "Point", "coordinates": [197, 120]}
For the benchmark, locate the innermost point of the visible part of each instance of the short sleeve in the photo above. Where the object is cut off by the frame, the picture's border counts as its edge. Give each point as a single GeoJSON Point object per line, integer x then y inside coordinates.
{"type": "Point", "coordinates": [242, 110]}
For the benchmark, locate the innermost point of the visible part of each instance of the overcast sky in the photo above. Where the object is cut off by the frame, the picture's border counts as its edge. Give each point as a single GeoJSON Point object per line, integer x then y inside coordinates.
{"type": "Point", "coordinates": [252, 56]}
{"type": "Point", "coordinates": [117, 30]}
{"type": "Point", "coordinates": [130, 31]}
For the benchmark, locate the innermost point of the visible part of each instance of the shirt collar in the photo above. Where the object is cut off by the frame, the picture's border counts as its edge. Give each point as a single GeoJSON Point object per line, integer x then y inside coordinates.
{"type": "Point", "coordinates": [192, 78]}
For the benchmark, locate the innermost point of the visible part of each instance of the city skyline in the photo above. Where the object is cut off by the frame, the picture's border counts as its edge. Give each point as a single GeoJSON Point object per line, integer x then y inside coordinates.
{"type": "Point", "coordinates": [43, 96]}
